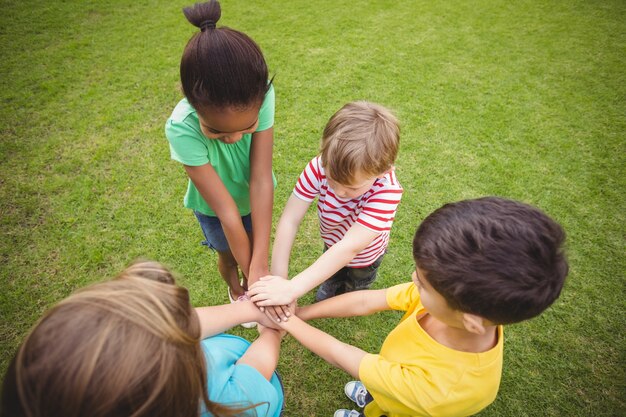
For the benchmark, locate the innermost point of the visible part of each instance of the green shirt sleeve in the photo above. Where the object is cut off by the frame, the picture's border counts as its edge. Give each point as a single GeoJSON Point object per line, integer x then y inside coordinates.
{"type": "Point", "coordinates": [187, 145]}
{"type": "Point", "coordinates": [266, 113]}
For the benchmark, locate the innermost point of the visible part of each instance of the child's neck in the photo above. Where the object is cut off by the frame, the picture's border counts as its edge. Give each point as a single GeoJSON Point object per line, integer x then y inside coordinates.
{"type": "Point", "coordinates": [459, 338]}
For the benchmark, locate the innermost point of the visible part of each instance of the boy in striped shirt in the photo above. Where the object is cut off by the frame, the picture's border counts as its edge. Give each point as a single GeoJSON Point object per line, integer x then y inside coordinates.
{"type": "Point", "coordinates": [357, 194]}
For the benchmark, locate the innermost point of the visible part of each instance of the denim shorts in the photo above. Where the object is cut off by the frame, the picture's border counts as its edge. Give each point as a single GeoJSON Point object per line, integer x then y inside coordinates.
{"type": "Point", "coordinates": [348, 279]}
{"type": "Point", "coordinates": [213, 232]}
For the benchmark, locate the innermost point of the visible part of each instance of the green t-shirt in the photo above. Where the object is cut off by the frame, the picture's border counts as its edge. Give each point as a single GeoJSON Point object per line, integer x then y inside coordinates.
{"type": "Point", "coordinates": [231, 161]}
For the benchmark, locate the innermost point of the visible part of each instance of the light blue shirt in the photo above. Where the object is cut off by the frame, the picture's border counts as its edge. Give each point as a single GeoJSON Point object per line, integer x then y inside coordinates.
{"type": "Point", "coordinates": [239, 385]}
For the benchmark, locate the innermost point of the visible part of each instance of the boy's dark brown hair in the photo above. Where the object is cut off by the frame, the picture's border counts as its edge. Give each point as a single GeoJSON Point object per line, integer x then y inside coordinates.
{"type": "Point", "coordinates": [125, 347]}
{"type": "Point", "coordinates": [499, 259]}
{"type": "Point", "coordinates": [221, 67]}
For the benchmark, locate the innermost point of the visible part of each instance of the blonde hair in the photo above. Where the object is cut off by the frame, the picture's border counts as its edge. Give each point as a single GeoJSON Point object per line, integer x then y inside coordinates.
{"type": "Point", "coordinates": [126, 347]}
{"type": "Point", "coordinates": [361, 137]}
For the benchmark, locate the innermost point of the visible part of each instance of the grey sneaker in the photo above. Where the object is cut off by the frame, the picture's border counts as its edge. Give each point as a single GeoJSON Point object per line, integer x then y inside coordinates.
{"type": "Point", "coordinates": [347, 413]}
{"type": "Point", "coordinates": [357, 392]}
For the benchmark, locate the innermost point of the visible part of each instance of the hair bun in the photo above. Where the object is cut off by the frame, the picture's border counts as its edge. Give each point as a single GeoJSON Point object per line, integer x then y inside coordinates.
{"type": "Point", "coordinates": [207, 24]}
{"type": "Point", "coordinates": [204, 15]}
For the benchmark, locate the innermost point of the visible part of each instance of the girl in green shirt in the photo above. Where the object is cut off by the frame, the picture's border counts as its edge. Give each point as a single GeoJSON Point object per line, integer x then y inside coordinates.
{"type": "Point", "coordinates": [222, 133]}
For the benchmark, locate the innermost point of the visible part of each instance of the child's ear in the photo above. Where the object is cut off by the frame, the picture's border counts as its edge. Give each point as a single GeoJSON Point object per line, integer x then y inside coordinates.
{"type": "Point", "coordinates": [473, 323]}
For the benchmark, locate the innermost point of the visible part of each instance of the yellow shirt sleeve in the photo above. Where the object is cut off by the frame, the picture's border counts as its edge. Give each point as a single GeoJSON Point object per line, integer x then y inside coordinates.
{"type": "Point", "coordinates": [399, 390]}
{"type": "Point", "coordinates": [414, 375]}
{"type": "Point", "coordinates": [402, 297]}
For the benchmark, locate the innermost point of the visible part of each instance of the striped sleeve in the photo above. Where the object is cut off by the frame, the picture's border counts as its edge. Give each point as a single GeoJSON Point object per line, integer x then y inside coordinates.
{"type": "Point", "coordinates": [308, 185]}
{"type": "Point", "coordinates": [380, 208]}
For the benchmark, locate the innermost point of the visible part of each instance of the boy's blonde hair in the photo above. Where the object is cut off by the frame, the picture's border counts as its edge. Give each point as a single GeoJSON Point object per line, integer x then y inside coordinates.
{"type": "Point", "coordinates": [362, 137]}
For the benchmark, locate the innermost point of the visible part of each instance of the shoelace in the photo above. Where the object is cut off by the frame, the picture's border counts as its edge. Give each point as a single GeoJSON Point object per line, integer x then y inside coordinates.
{"type": "Point", "coordinates": [360, 395]}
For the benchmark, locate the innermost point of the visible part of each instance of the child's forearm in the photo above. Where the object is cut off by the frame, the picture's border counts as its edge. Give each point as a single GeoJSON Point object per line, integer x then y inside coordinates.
{"type": "Point", "coordinates": [238, 241]}
{"type": "Point", "coordinates": [324, 267]}
{"type": "Point", "coordinates": [263, 353]}
{"type": "Point", "coordinates": [336, 257]}
{"type": "Point", "coordinates": [288, 225]}
{"type": "Point", "coordinates": [283, 242]}
{"type": "Point", "coordinates": [217, 319]}
{"type": "Point", "coordinates": [333, 351]}
{"type": "Point", "coordinates": [261, 201]}
{"type": "Point", "coordinates": [219, 199]}
{"type": "Point", "coordinates": [357, 303]}
{"type": "Point", "coordinates": [276, 290]}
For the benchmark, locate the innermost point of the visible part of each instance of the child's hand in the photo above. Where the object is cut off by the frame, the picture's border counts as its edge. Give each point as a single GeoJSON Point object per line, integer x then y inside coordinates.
{"type": "Point", "coordinates": [278, 313]}
{"type": "Point", "coordinates": [275, 323]}
{"type": "Point", "coordinates": [280, 332]}
{"type": "Point", "coordinates": [265, 320]}
{"type": "Point", "coordinates": [272, 290]}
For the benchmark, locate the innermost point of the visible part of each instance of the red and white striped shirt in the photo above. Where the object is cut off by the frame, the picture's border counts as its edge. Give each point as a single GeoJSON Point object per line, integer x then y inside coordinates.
{"type": "Point", "coordinates": [375, 209]}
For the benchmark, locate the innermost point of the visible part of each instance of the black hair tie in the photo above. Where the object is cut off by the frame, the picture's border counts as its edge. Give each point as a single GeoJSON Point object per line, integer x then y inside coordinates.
{"type": "Point", "coordinates": [207, 24]}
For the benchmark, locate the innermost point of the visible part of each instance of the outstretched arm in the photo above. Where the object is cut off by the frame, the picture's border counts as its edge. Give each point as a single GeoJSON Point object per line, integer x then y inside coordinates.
{"type": "Point", "coordinates": [333, 351]}
{"type": "Point", "coordinates": [357, 303]}
{"type": "Point", "coordinates": [288, 225]}
{"type": "Point", "coordinates": [261, 201]}
{"type": "Point", "coordinates": [273, 290]}
{"type": "Point", "coordinates": [294, 211]}
{"type": "Point", "coordinates": [263, 352]}
{"type": "Point", "coordinates": [217, 319]}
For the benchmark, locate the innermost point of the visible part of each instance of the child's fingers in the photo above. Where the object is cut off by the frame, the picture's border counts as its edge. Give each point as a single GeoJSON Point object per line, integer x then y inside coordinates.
{"type": "Point", "coordinates": [280, 312]}
{"type": "Point", "coordinates": [272, 302]}
{"type": "Point", "coordinates": [273, 314]}
{"type": "Point", "coordinates": [257, 298]}
{"type": "Point", "coordinates": [253, 289]}
{"type": "Point", "coordinates": [265, 300]}
{"type": "Point", "coordinates": [267, 321]}
{"type": "Point", "coordinates": [264, 303]}
{"type": "Point", "coordinates": [284, 312]}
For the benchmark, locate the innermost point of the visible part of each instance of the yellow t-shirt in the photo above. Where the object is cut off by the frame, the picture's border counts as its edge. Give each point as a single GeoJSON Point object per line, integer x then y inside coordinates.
{"type": "Point", "coordinates": [416, 376]}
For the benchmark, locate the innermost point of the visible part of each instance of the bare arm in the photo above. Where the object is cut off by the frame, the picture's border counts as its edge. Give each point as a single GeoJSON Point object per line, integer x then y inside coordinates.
{"type": "Point", "coordinates": [219, 199]}
{"type": "Point", "coordinates": [261, 201]}
{"type": "Point", "coordinates": [263, 352]}
{"type": "Point", "coordinates": [290, 220]}
{"type": "Point", "coordinates": [333, 351]}
{"type": "Point", "coordinates": [357, 303]}
{"type": "Point", "coordinates": [273, 290]}
{"type": "Point", "coordinates": [217, 319]}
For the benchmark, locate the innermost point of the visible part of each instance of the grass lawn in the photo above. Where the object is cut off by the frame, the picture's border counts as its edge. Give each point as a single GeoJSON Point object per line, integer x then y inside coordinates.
{"type": "Point", "coordinates": [521, 99]}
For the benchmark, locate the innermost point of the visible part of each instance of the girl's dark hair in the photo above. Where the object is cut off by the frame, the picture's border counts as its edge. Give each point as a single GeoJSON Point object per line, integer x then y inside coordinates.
{"type": "Point", "coordinates": [221, 67]}
{"type": "Point", "coordinates": [500, 259]}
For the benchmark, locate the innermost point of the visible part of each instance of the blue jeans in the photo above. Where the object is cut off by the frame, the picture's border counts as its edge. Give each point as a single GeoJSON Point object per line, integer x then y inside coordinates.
{"type": "Point", "coordinates": [348, 279]}
{"type": "Point", "coordinates": [214, 233]}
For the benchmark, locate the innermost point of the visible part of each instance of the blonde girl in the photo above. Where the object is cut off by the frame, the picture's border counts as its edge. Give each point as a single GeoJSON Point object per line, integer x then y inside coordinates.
{"type": "Point", "coordinates": [134, 346]}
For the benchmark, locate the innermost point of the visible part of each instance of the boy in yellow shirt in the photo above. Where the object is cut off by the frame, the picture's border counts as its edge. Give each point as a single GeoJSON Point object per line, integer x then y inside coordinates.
{"type": "Point", "coordinates": [479, 264]}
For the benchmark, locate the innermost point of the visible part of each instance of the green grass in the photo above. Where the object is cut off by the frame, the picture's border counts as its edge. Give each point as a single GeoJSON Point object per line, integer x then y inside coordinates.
{"type": "Point", "coordinates": [519, 99]}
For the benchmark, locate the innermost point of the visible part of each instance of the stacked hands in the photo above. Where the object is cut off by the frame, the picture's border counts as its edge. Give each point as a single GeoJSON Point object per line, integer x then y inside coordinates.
{"type": "Point", "coordinates": [275, 296]}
